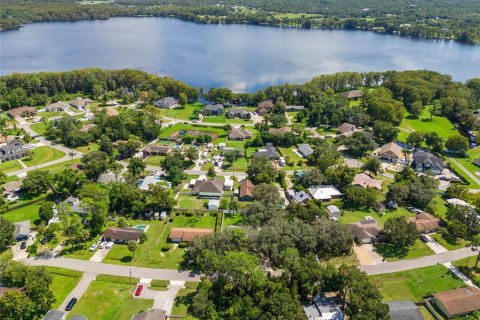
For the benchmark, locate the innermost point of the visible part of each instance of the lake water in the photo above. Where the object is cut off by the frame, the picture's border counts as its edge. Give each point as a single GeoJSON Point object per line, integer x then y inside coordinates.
{"type": "Point", "coordinates": [240, 57]}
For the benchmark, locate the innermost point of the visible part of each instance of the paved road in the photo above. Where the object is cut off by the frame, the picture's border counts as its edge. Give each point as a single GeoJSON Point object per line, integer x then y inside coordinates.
{"type": "Point", "coordinates": [468, 173]}
{"type": "Point", "coordinates": [111, 269]}
{"type": "Point", "coordinates": [396, 266]}
{"type": "Point", "coordinates": [79, 290]}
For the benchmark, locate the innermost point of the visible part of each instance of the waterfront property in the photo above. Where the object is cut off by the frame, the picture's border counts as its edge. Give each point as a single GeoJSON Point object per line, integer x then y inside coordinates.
{"type": "Point", "coordinates": [166, 103]}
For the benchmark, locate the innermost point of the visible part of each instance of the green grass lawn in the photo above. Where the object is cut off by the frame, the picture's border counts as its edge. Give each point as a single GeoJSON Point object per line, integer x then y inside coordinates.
{"type": "Point", "coordinates": [440, 125]}
{"type": "Point", "coordinates": [107, 298]}
{"type": "Point", "coordinates": [29, 212]}
{"type": "Point", "coordinates": [51, 114]}
{"type": "Point", "coordinates": [89, 148]}
{"type": "Point", "coordinates": [167, 132]}
{"type": "Point", "coordinates": [467, 163]}
{"type": "Point", "coordinates": [184, 299]}
{"type": "Point", "coordinates": [238, 121]}
{"type": "Point", "coordinates": [236, 144]}
{"type": "Point", "coordinates": [9, 166]}
{"type": "Point", "coordinates": [64, 281]}
{"type": "Point", "coordinates": [154, 160]}
{"type": "Point", "coordinates": [41, 155]}
{"type": "Point", "coordinates": [241, 164]}
{"type": "Point", "coordinates": [184, 113]}
{"type": "Point", "coordinates": [438, 207]}
{"type": "Point", "coordinates": [190, 202]}
{"type": "Point", "coordinates": [55, 168]}
{"type": "Point", "coordinates": [214, 119]}
{"type": "Point", "coordinates": [415, 284]}
{"type": "Point", "coordinates": [448, 245]}
{"type": "Point", "coordinates": [6, 255]}
{"type": "Point", "coordinates": [39, 127]}
{"type": "Point", "coordinates": [467, 266]}
{"type": "Point", "coordinates": [354, 216]}
{"type": "Point", "coordinates": [290, 155]}
{"type": "Point", "coordinates": [390, 253]}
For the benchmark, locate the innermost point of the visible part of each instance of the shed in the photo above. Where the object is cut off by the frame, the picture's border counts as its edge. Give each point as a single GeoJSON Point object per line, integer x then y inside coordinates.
{"type": "Point", "coordinates": [333, 212]}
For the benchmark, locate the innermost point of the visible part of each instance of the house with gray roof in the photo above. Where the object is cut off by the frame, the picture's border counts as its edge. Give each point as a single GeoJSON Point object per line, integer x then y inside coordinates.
{"type": "Point", "coordinates": [333, 212]}
{"type": "Point", "coordinates": [404, 310]}
{"type": "Point", "coordinates": [426, 161]}
{"type": "Point", "coordinates": [12, 150]}
{"type": "Point", "coordinates": [212, 110]}
{"type": "Point", "coordinates": [241, 113]}
{"type": "Point", "coordinates": [294, 108]}
{"type": "Point", "coordinates": [166, 103]}
{"type": "Point", "coordinates": [80, 103]}
{"type": "Point", "coordinates": [305, 150]}
{"type": "Point", "coordinates": [323, 308]}
{"type": "Point", "coordinates": [269, 151]}
{"type": "Point", "coordinates": [22, 230]}
{"type": "Point", "coordinates": [110, 176]}
{"type": "Point", "coordinates": [57, 107]}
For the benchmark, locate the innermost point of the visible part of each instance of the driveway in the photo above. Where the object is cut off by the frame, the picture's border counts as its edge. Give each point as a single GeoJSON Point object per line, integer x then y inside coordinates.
{"type": "Point", "coordinates": [18, 253]}
{"type": "Point", "coordinates": [162, 299]}
{"type": "Point", "coordinates": [100, 254]}
{"type": "Point", "coordinates": [79, 290]}
{"type": "Point", "coordinates": [366, 255]}
{"type": "Point", "coordinates": [434, 245]}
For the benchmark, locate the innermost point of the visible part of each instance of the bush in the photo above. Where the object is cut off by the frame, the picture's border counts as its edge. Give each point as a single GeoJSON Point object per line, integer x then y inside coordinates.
{"type": "Point", "coordinates": [166, 247]}
{"type": "Point", "coordinates": [160, 283]}
{"type": "Point", "coordinates": [33, 249]}
{"type": "Point", "coordinates": [183, 244]}
{"type": "Point", "coordinates": [188, 213]}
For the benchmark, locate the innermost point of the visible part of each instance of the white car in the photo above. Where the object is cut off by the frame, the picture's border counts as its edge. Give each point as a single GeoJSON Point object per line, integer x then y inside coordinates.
{"type": "Point", "coordinates": [102, 245]}
{"type": "Point", "coordinates": [93, 246]}
{"type": "Point", "coordinates": [109, 245]}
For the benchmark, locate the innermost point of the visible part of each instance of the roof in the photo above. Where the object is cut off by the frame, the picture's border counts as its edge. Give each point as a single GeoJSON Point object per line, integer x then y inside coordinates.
{"type": "Point", "coordinates": [148, 181]}
{"type": "Point", "coordinates": [391, 147]}
{"type": "Point", "coordinates": [426, 222]}
{"type": "Point", "coordinates": [166, 102]}
{"type": "Point", "coordinates": [125, 234]}
{"type": "Point", "coordinates": [323, 308]}
{"type": "Point", "coordinates": [17, 112]}
{"type": "Point", "coordinates": [324, 192]}
{"type": "Point", "coordinates": [246, 188]}
{"type": "Point", "coordinates": [365, 181]}
{"type": "Point", "coordinates": [213, 202]}
{"type": "Point", "coordinates": [111, 112]}
{"type": "Point", "coordinates": [237, 133]}
{"type": "Point", "coordinates": [109, 177]}
{"type": "Point", "coordinates": [4, 290]}
{"type": "Point", "coordinates": [346, 128]}
{"type": "Point", "coordinates": [352, 94]}
{"type": "Point", "coordinates": [12, 186]}
{"type": "Point", "coordinates": [334, 212]}
{"type": "Point", "coordinates": [208, 186]}
{"type": "Point", "coordinates": [295, 107]}
{"type": "Point", "coordinates": [459, 301]}
{"type": "Point", "coordinates": [267, 105]}
{"type": "Point", "coordinates": [301, 196]}
{"type": "Point", "coordinates": [280, 130]}
{"type": "Point", "coordinates": [427, 160]}
{"type": "Point", "coordinates": [87, 127]}
{"type": "Point", "coordinates": [213, 107]}
{"type": "Point", "coordinates": [270, 151]}
{"type": "Point", "coordinates": [238, 111]}
{"type": "Point", "coordinates": [22, 228]}
{"type": "Point", "coordinates": [58, 105]}
{"type": "Point", "coordinates": [457, 202]}
{"type": "Point", "coordinates": [404, 310]}
{"type": "Point", "coordinates": [305, 149]}
{"type": "Point", "coordinates": [78, 317]}
{"type": "Point", "coordinates": [188, 234]}
{"type": "Point", "coordinates": [54, 315]}
{"type": "Point", "coordinates": [151, 148]}
{"type": "Point", "coordinates": [80, 102]}
{"type": "Point", "coordinates": [152, 314]}
{"type": "Point", "coordinates": [5, 139]}
{"type": "Point", "coordinates": [365, 229]}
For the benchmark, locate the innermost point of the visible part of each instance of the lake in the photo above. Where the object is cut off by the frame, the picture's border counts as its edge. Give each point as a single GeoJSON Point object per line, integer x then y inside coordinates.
{"type": "Point", "coordinates": [241, 57]}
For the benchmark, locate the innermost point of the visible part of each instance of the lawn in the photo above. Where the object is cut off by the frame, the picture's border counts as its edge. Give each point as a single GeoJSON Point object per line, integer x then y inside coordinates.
{"type": "Point", "coordinates": [184, 113]}
{"type": "Point", "coordinates": [39, 127]}
{"type": "Point", "coordinates": [415, 284]}
{"type": "Point", "coordinates": [184, 299]}
{"type": "Point", "coordinates": [466, 266]}
{"type": "Point", "coordinates": [236, 144]}
{"type": "Point", "coordinates": [291, 156]}
{"type": "Point", "coordinates": [391, 253]}
{"type": "Point", "coordinates": [190, 202]}
{"type": "Point", "coordinates": [167, 132]}
{"type": "Point", "coordinates": [9, 166]}
{"type": "Point", "coordinates": [89, 148]}
{"type": "Point", "coordinates": [241, 164]}
{"type": "Point", "coordinates": [55, 168]}
{"type": "Point", "coordinates": [354, 216]}
{"type": "Point", "coordinates": [438, 207]}
{"type": "Point", "coordinates": [154, 160]}
{"type": "Point", "coordinates": [51, 114]}
{"type": "Point", "coordinates": [41, 155]}
{"type": "Point", "coordinates": [29, 212]}
{"type": "Point", "coordinates": [448, 245]}
{"type": "Point", "coordinates": [109, 298]}
{"type": "Point", "coordinates": [467, 163]}
{"type": "Point", "coordinates": [63, 282]}
{"type": "Point", "coordinates": [214, 119]}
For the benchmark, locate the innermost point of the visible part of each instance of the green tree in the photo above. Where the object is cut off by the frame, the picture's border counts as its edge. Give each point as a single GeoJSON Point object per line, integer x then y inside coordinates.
{"type": "Point", "coordinates": [434, 141]}
{"type": "Point", "coordinates": [340, 176]}
{"type": "Point", "coordinates": [385, 131]}
{"type": "Point", "coordinates": [16, 305]}
{"type": "Point", "coordinates": [399, 232]}
{"type": "Point", "coordinates": [160, 198]}
{"type": "Point", "coordinates": [136, 166]}
{"type": "Point", "coordinates": [132, 247]}
{"type": "Point", "coordinates": [36, 183]}
{"type": "Point", "coordinates": [6, 233]}
{"type": "Point", "coordinates": [45, 211]}
{"type": "Point", "coordinates": [211, 171]}
{"type": "Point", "coordinates": [267, 193]}
{"type": "Point", "coordinates": [457, 144]}
{"type": "Point", "coordinates": [94, 164]}
{"type": "Point", "coordinates": [261, 170]}
{"type": "Point", "coordinates": [415, 139]}
{"type": "Point", "coordinates": [373, 165]}
{"type": "Point", "coordinates": [73, 229]}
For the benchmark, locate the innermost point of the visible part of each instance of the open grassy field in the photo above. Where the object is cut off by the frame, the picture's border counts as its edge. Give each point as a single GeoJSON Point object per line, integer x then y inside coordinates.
{"type": "Point", "coordinates": [51, 114]}
{"type": "Point", "coordinates": [167, 132]}
{"type": "Point", "coordinates": [440, 125]}
{"type": "Point", "coordinates": [241, 164]}
{"type": "Point", "coordinates": [353, 216]}
{"type": "Point", "coordinates": [467, 163]}
{"type": "Point", "coordinates": [184, 299]}
{"type": "Point", "coordinates": [186, 112]}
{"type": "Point", "coordinates": [9, 166]}
{"type": "Point", "coordinates": [41, 155]}
{"type": "Point", "coordinates": [415, 284]}
{"type": "Point", "coordinates": [89, 148]}
{"type": "Point", "coordinates": [153, 160]}
{"type": "Point", "coordinates": [190, 202]}
{"type": "Point", "coordinates": [54, 168]}
{"type": "Point", "coordinates": [29, 212]}
{"type": "Point", "coordinates": [39, 127]}
{"type": "Point", "coordinates": [390, 253]}
{"type": "Point", "coordinates": [64, 281]}
{"type": "Point", "coordinates": [109, 298]}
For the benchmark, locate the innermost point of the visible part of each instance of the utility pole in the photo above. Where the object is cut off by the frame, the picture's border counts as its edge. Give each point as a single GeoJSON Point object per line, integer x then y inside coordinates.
{"type": "Point", "coordinates": [130, 278]}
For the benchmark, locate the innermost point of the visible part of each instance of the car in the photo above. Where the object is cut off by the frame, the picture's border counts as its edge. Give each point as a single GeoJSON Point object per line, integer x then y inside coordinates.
{"type": "Point", "coordinates": [93, 246]}
{"type": "Point", "coordinates": [43, 240]}
{"type": "Point", "coordinates": [139, 290]}
{"type": "Point", "coordinates": [424, 238]}
{"type": "Point", "coordinates": [23, 245]}
{"type": "Point", "coordinates": [109, 245]}
{"type": "Point", "coordinates": [70, 304]}
{"type": "Point", "coordinates": [102, 245]}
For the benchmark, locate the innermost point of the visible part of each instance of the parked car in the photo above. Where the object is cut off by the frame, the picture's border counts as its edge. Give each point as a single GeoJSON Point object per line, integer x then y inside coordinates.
{"type": "Point", "coordinates": [102, 245]}
{"type": "Point", "coordinates": [23, 245]}
{"type": "Point", "coordinates": [139, 290]}
{"type": "Point", "coordinates": [70, 304]}
{"type": "Point", "coordinates": [424, 238]}
{"type": "Point", "coordinates": [93, 246]}
{"type": "Point", "coordinates": [109, 245]}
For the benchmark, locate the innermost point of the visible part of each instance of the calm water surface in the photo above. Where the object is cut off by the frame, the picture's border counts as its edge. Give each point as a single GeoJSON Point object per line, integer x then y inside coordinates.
{"type": "Point", "coordinates": [241, 57]}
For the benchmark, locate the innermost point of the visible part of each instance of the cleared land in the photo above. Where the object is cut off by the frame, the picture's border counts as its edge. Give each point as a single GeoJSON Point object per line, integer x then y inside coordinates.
{"type": "Point", "coordinates": [184, 299]}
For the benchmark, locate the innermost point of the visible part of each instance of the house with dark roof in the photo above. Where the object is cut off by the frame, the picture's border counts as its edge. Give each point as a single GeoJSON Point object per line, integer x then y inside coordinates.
{"type": "Point", "coordinates": [212, 110]}
{"type": "Point", "coordinates": [391, 152]}
{"type": "Point", "coordinates": [208, 188]}
{"type": "Point", "coordinates": [294, 108]}
{"type": "Point", "coordinates": [269, 151]}
{"type": "Point", "coordinates": [346, 129]}
{"type": "Point", "coordinates": [239, 134]}
{"type": "Point", "coordinates": [403, 310]}
{"type": "Point", "coordinates": [305, 150]}
{"type": "Point", "coordinates": [241, 113]}
{"type": "Point", "coordinates": [12, 150]}
{"type": "Point", "coordinates": [365, 231]}
{"type": "Point", "coordinates": [57, 107]}
{"type": "Point", "coordinates": [166, 103]}
{"type": "Point", "coordinates": [426, 161]}
{"type": "Point", "coordinates": [246, 190]}
{"type": "Point", "coordinates": [122, 235]}
{"type": "Point", "coordinates": [22, 230]}
{"type": "Point", "coordinates": [188, 234]}
{"type": "Point", "coordinates": [265, 107]}
{"type": "Point", "coordinates": [24, 111]}
{"type": "Point", "coordinates": [353, 94]}
{"type": "Point", "coordinates": [80, 103]}
{"type": "Point", "coordinates": [457, 302]}
{"type": "Point", "coordinates": [154, 150]}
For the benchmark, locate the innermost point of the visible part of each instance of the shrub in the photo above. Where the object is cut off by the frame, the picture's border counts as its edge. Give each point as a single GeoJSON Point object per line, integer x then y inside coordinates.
{"type": "Point", "coordinates": [166, 247]}
{"type": "Point", "coordinates": [183, 244]}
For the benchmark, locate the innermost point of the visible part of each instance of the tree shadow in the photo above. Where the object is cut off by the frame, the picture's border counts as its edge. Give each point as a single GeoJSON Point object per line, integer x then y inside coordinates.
{"type": "Point", "coordinates": [126, 259]}
{"type": "Point", "coordinates": [390, 251]}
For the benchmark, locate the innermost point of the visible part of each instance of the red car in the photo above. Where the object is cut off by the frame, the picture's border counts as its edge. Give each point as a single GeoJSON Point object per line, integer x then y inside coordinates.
{"type": "Point", "coordinates": [139, 290]}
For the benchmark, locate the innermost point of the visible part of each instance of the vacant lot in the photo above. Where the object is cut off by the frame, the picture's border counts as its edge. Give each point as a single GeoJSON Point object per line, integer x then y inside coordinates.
{"type": "Point", "coordinates": [186, 112]}
{"type": "Point", "coordinates": [415, 284]}
{"type": "Point", "coordinates": [39, 127]}
{"type": "Point", "coordinates": [353, 216]}
{"type": "Point", "coordinates": [391, 253]}
{"type": "Point", "coordinates": [29, 212]}
{"type": "Point", "coordinates": [42, 155]}
{"type": "Point", "coordinates": [167, 132]}
{"type": "Point", "coordinates": [110, 298]}
{"type": "Point", "coordinates": [448, 244]}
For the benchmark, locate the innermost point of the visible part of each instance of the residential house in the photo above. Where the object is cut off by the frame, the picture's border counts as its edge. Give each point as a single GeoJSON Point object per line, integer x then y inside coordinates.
{"type": "Point", "coordinates": [353, 94]}
{"type": "Point", "coordinates": [246, 190]}
{"type": "Point", "coordinates": [265, 107]}
{"type": "Point", "coordinates": [228, 184]}
{"type": "Point", "coordinates": [457, 202]}
{"type": "Point", "coordinates": [151, 314]}
{"type": "Point", "coordinates": [87, 127]}
{"type": "Point", "coordinates": [208, 188]}
{"type": "Point", "coordinates": [241, 113]}
{"type": "Point", "coordinates": [305, 150]}
{"type": "Point", "coordinates": [346, 129]}
{"type": "Point", "coordinates": [476, 162]}
{"type": "Point", "coordinates": [187, 234]}
{"type": "Point", "coordinates": [162, 216]}
{"type": "Point", "coordinates": [80, 103]}
{"type": "Point", "coordinates": [391, 152]}
{"type": "Point", "coordinates": [6, 139]}
{"type": "Point", "coordinates": [11, 189]}
{"type": "Point", "coordinates": [269, 151]}
{"type": "Point", "coordinates": [300, 197]}
{"type": "Point", "coordinates": [166, 103]}
{"type": "Point", "coordinates": [457, 302]}
{"type": "Point", "coordinates": [426, 222]}
{"type": "Point", "coordinates": [75, 204]}
{"type": "Point", "coordinates": [365, 231]}
{"type": "Point", "coordinates": [153, 180]}
{"type": "Point", "coordinates": [365, 181]}
{"type": "Point", "coordinates": [22, 112]}
{"type": "Point", "coordinates": [404, 310]}
{"type": "Point", "coordinates": [22, 230]}
{"type": "Point", "coordinates": [111, 112]}
{"type": "Point", "coordinates": [426, 161]}
{"type": "Point", "coordinates": [324, 193]}
{"type": "Point", "coordinates": [154, 150]}
{"type": "Point", "coordinates": [212, 110]}
{"type": "Point", "coordinates": [122, 235]}
{"type": "Point", "coordinates": [333, 212]}
{"type": "Point", "coordinates": [239, 134]}
{"type": "Point", "coordinates": [58, 106]}
{"type": "Point", "coordinates": [294, 108]}
{"type": "Point", "coordinates": [279, 130]}
{"type": "Point", "coordinates": [323, 308]}
{"type": "Point", "coordinates": [12, 150]}
{"type": "Point", "coordinates": [54, 315]}
{"type": "Point", "coordinates": [213, 204]}
{"type": "Point", "coordinates": [110, 176]}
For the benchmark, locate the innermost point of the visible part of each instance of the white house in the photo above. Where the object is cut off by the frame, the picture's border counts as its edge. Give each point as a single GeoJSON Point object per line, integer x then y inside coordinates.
{"type": "Point", "coordinates": [324, 192]}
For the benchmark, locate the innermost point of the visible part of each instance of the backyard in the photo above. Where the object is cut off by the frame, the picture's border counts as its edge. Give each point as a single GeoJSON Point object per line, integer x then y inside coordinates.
{"type": "Point", "coordinates": [29, 212]}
